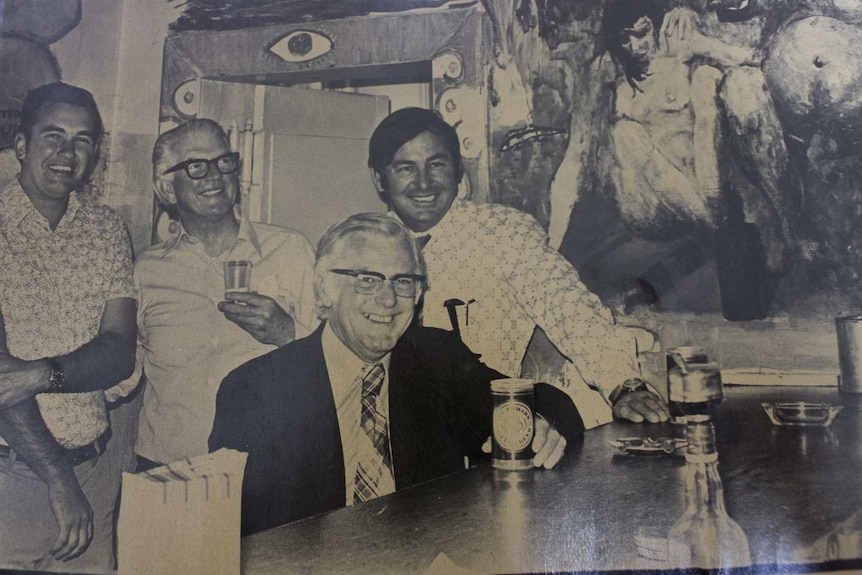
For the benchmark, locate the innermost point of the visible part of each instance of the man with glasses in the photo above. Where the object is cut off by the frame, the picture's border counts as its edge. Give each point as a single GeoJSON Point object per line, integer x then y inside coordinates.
{"type": "Point", "coordinates": [191, 334]}
{"type": "Point", "coordinates": [367, 404]}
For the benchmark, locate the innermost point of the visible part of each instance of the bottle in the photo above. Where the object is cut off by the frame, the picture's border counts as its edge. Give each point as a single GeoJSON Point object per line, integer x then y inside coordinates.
{"type": "Point", "coordinates": [705, 537]}
{"type": "Point", "coordinates": [693, 383]}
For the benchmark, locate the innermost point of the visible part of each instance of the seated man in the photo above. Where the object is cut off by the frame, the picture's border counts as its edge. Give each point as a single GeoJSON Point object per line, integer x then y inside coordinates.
{"type": "Point", "coordinates": [366, 404]}
{"type": "Point", "coordinates": [494, 263]}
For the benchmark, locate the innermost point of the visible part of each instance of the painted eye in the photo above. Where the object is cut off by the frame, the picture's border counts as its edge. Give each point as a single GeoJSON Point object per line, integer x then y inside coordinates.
{"type": "Point", "coordinates": [301, 46]}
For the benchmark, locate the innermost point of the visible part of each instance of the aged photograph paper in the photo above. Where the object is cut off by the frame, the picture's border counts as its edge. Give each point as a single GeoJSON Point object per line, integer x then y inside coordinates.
{"type": "Point", "coordinates": [624, 192]}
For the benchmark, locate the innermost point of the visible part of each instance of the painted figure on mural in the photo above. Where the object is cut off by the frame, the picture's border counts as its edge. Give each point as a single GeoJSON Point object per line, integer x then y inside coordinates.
{"type": "Point", "coordinates": [764, 164]}
{"type": "Point", "coordinates": [691, 143]}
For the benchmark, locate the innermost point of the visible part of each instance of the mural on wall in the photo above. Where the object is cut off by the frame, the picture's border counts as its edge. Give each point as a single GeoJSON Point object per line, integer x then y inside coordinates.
{"type": "Point", "coordinates": [684, 154]}
{"type": "Point", "coordinates": [27, 29]}
{"type": "Point", "coordinates": [710, 158]}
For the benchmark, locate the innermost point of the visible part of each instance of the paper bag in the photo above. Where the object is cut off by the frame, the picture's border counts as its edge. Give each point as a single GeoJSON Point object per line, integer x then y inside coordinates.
{"type": "Point", "coordinates": [182, 518]}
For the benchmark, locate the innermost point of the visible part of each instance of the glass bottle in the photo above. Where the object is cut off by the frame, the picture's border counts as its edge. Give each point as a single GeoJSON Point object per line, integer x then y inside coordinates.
{"type": "Point", "coordinates": [705, 537]}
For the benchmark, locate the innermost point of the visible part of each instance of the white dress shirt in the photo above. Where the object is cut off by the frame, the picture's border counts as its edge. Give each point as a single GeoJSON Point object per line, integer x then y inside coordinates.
{"type": "Point", "coordinates": [343, 367]}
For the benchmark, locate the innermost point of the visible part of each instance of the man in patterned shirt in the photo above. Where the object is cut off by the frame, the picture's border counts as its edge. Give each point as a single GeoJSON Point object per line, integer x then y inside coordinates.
{"type": "Point", "coordinates": [493, 277]}
{"type": "Point", "coordinates": [66, 299]}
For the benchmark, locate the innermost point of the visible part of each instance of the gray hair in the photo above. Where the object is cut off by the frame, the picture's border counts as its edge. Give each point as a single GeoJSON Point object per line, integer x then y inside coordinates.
{"type": "Point", "coordinates": [166, 146]}
{"type": "Point", "coordinates": [367, 223]}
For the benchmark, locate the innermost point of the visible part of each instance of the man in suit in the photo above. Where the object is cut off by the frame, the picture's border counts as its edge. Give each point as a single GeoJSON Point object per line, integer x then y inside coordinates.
{"type": "Point", "coordinates": [319, 432]}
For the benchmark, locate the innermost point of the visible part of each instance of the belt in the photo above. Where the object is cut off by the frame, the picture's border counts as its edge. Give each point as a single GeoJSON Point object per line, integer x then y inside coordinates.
{"type": "Point", "coordinates": [74, 455]}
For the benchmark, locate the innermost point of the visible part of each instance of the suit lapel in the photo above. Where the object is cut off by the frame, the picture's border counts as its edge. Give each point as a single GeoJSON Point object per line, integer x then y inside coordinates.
{"type": "Point", "coordinates": [401, 371]}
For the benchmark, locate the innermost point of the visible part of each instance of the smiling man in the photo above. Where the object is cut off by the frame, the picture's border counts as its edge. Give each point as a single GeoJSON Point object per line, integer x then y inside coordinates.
{"type": "Point", "coordinates": [493, 277]}
{"type": "Point", "coordinates": [190, 335]}
{"type": "Point", "coordinates": [67, 332]}
{"type": "Point", "coordinates": [366, 404]}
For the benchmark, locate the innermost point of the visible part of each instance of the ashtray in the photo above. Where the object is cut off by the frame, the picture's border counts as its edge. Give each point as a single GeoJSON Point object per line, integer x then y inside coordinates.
{"type": "Point", "coordinates": [802, 413]}
{"type": "Point", "coordinates": [647, 445]}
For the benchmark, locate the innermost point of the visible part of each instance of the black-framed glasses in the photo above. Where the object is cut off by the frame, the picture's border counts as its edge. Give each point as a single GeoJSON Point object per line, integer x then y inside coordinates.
{"type": "Point", "coordinates": [369, 283]}
{"type": "Point", "coordinates": [198, 168]}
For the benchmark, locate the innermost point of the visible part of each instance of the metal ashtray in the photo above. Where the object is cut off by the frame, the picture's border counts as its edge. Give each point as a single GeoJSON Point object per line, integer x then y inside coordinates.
{"type": "Point", "coordinates": [802, 413]}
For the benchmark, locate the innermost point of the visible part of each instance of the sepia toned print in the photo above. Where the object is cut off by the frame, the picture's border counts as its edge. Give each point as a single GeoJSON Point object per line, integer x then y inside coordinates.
{"type": "Point", "coordinates": [629, 178]}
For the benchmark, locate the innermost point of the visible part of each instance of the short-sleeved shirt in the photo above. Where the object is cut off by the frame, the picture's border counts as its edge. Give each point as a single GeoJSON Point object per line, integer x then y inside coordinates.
{"type": "Point", "coordinates": [187, 346]}
{"type": "Point", "coordinates": [53, 290]}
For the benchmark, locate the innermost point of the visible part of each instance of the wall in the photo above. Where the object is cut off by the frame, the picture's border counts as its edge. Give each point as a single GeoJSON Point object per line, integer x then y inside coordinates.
{"type": "Point", "coordinates": [116, 53]}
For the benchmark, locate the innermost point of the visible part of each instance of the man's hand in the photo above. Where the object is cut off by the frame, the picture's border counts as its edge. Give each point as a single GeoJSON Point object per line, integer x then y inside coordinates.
{"type": "Point", "coordinates": [641, 405]}
{"type": "Point", "coordinates": [260, 316]}
{"type": "Point", "coordinates": [75, 519]}
{"type": "Point", "coordinates": [20, 380]}
{"type": "Point", "coordinates": [548, 445]}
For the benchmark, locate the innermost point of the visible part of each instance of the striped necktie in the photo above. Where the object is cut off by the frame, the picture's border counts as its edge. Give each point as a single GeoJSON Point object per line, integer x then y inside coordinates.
{"type": "Point", "coordinates": [373, 462]}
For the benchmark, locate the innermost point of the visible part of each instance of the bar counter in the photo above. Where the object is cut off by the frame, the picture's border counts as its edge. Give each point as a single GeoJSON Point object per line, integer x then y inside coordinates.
{"type": "Point", "coordinates": [787, 487]}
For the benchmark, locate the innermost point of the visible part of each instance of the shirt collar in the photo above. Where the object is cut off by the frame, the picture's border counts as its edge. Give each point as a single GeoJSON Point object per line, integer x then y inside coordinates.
{"type": "Point", "coordinates": [430, 231]}
{"type": "Point", "coordinates": [17, 206]}
{"type": "Point", "coordinates": [246, 233]}
{"type": "Point", "coordinates": [341, 363]}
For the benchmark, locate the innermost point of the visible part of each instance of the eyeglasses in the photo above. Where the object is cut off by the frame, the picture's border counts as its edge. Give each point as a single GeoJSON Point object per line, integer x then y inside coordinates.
{"type": "Point", "coordinates": [369, 283]}
{"type": "Point", "coordinates": [198, 168]}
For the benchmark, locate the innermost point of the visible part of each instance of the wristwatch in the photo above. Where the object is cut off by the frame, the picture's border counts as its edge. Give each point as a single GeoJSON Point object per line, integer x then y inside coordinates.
{"type": "Point", "coordinates": [57, 377]}
{"type": "Point", "coordinates": [628, 386]}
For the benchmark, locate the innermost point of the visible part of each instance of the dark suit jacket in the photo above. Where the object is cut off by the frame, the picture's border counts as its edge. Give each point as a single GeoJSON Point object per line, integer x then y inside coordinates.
{"type": "Point", "coordinates": [279, 408]}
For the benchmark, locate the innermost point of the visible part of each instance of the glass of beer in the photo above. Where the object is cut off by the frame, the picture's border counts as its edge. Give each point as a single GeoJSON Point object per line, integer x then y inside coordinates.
{"type": "Point", "coordinates": [237, 276]}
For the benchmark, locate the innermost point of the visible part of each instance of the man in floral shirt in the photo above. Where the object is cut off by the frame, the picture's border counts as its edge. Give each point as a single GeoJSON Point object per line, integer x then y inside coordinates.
{"type": "Point", "coordinates": [67, 333]}
{"type": "Point", "coordinates": [493, 277]}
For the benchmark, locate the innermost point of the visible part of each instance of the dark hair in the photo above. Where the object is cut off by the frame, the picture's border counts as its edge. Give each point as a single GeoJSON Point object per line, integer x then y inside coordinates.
{"type": "Point", "coordinates": [403, 125]}
{"type": "Point", "coordinates": [622, 14]}
{"type": "Point", "coordinates": [56, 93]}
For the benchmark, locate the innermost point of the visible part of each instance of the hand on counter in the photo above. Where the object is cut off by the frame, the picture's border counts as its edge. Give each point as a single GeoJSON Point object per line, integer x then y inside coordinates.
{"type": "Point", "coordinates": [639, 406]}
{"type": "Point", "coordinates": [548, 445]}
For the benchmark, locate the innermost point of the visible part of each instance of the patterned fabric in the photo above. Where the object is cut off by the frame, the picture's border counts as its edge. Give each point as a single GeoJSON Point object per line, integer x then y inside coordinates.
{"type": "Point", "coordinates": [497, 261]}
{"type": "Point", "coordinates": [185, 344]}
{"type": "Point", "coordinates": [53, 290]}
{"type": "Point", "coordinates": [374, 475]}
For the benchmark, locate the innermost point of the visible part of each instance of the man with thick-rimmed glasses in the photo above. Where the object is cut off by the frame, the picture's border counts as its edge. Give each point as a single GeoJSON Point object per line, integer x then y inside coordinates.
{"type": "Point", "coordinates": [190, 334]}
{"type": "Point", "coordinates": [367, 404]}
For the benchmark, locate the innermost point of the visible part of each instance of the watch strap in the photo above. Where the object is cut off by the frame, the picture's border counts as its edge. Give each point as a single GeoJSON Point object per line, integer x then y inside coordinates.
{"type": "Point", "coordinates": [629, 386]}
